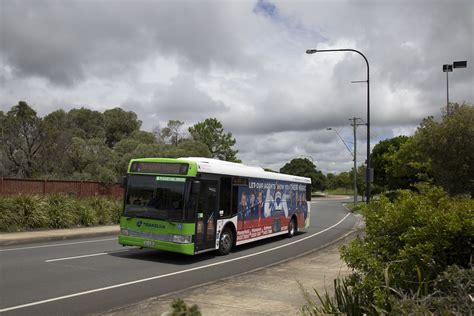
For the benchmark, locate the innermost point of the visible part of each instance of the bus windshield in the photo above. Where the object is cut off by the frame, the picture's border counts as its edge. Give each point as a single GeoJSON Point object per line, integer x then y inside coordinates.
{"type": "Point", "coordinates": [155, 197]}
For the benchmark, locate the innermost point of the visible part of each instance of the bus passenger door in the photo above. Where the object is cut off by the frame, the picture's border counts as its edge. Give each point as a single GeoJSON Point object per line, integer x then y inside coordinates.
{"type": "Point", "coordinates": [207, 213]}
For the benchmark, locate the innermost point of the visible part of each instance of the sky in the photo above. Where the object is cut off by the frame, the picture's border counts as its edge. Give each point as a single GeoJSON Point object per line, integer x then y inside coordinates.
{"type": "Point", "coordinates": [244, 63]}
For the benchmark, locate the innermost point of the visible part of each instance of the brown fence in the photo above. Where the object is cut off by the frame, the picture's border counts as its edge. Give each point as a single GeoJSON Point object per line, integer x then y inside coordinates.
{"type": "Point", "coordinates": [14, 186]}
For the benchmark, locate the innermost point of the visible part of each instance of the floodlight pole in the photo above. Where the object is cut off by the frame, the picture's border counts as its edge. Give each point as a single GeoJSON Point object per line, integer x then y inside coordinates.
{"type": "Point", "coordinates": [368, 172]}
{"type": "Point", "coordinates": [447, 68]}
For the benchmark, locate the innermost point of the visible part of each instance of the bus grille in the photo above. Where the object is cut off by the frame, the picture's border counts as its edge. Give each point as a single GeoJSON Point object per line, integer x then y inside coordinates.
{"type": "Point", "coordinates": [163, 237]}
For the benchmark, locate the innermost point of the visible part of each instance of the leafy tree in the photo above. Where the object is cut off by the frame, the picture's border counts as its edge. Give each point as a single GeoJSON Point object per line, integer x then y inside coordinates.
{"type": "Point", "coordinates": [343, 180]}
{"type": "Point", "coordinates": [86, 123]}
{"type": "Point", "coordinates": [211, 133]}
{"type": "Point", "coordinates": [305, 168]}
{"type": "Point", "coordinates": [408, 243]}
{"type": "Point", "coordinates": [407, 166]}
{"type": "Point", "coordinates": [171, 134]}
{"type": "Point", "coordinates": [380, 160]}
{"type": "Point", "coordinates": [119, 124]}
{"type": "Point", "coordinates": [187, 148]}
{"type": "Point", "coordinates": [91, 159]}
{"type": "Point", "coordinates": [331, 181]}
{"type": "Point", "coordinates": [59, 131]}
{"type": "Point", "coordinates": [449, 147]}
{"type": "Point", "coordinates": [23, 139]}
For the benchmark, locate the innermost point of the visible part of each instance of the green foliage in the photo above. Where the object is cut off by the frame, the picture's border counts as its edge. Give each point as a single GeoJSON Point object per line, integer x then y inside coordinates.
{"type": "Point", "coordinates": [440, 152]}
{"type": "Point", "coordinates": [23, 138]}
{"type": "Point", "coordinates": [449, 147]}
{"type": "Point", "coordinates": [179, 308]}
{"type": "Point", "coordinates": [108, 211]}
{"type": "Point", "coordinates": [10, 219]}
{"type": "Point", "coordinates": [305, 168]}
{"type": "Point", "coordinates": [25, 212]}
{"type": "Point", "coordinates": [415, 258]}
{"type": "Point", "coordinates": [345, 301]}
{"type": "Point", "coordinates": [32, 211]}
{"type": "Point", "coordinates": [211, 132]}
{"type": "Point", "coordinates": [86, 215]}
{"type": "Point", "coordinates": [428, 231]}
{"type": "Point", "coordinates": [119, 124]}
{"type": "Point", "coordinates": [95, 146]}
{"type": "Point", "coordinates": [380, 160]}
{"type": "Point", "coordinates": [450, 296]}
{"type": "Point", "coordinates": [60, 211]}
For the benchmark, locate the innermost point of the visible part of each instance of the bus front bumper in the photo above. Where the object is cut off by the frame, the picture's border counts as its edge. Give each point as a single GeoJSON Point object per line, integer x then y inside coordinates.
{"type": "Point", "coordinates": [187, 248]}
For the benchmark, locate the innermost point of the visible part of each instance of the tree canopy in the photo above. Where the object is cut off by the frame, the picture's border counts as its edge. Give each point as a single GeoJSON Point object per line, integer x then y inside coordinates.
{"type": "Point", "coordinates": [84, 144]}
{"type": "Point", "coordinates": [440, 151]}
{"type": "Point", "coordinates": [305, 168]}
{"type": "Point", "coordinates": [211, 133]}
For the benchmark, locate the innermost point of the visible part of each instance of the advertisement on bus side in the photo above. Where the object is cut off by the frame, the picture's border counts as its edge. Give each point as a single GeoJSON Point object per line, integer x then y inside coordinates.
{"type": "Point", "coordinates": [266, 207]}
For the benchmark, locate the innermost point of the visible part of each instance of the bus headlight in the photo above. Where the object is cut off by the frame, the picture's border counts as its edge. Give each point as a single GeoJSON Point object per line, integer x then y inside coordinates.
{"type": "Point", "coordinates": [125, 232]}
{"type": "Point", "coordinates": [182, 239]}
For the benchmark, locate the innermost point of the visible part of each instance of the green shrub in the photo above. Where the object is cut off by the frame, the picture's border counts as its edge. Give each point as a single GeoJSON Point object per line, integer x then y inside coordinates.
{"type": "Point", "coordinates": [9, 219]}
{"type": "Point", "coordinates": [60, 210]}
{"type": "Point", "coordinates": [86, 215]}
{"type": "Point", "coordinates": [108, 211]}
{"type": "Point", "coordinates": [32, 211]}
{"type": "Point", "coordinates": [179, 308]}
{"type": "Point", "coordinates": [419, 234]}
{"type": "Point", "coordinates": [56, 211]}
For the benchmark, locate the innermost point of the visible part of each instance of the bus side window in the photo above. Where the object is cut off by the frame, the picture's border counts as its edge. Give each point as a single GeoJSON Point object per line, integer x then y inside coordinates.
{"type": "Point", "coordinates": [308, 192]}
{"type": "Point", "coordinates": [225, 193]}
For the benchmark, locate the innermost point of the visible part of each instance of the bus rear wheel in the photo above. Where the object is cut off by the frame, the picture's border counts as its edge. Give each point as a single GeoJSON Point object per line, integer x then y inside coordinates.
{"type": "Point", "coordinates": [292, 228]}
{"type": "Point", "coordinates": [226, 242]}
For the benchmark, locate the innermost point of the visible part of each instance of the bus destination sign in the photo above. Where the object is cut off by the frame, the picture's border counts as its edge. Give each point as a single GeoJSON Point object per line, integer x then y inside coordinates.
{"type": "Point", "coordinates": [159, 167]}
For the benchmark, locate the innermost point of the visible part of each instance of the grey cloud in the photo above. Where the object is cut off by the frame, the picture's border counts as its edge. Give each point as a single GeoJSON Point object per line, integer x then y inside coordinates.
{"type": "Point", "coordinates": [65, 41]}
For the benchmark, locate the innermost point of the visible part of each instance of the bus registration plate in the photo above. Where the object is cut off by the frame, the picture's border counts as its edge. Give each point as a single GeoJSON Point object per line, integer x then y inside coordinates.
{"type": "Point", "coordinates": [148, 243]}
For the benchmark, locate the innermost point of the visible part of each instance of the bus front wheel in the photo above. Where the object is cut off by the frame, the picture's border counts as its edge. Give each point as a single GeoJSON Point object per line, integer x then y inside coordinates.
{"type": "Point", "coordinates": [292, 228]}
{"type": "Point", "coordinates": [226, 242]}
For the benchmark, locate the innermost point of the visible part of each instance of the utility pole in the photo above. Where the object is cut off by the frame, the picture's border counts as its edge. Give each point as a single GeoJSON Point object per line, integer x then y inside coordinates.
{"type": "Point", "coordinates": [354, 125]}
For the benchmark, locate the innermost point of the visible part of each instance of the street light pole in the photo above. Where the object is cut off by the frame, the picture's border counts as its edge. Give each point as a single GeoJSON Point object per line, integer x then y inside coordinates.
{"type": "Point", "coordinates": [368, 171]}
{"type": "Point", "coordinates": [354, 125]}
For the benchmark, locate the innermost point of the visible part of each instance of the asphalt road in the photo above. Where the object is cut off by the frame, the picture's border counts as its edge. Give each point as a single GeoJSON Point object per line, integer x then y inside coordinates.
{"type": "Point", "coordinates": [87, 276]}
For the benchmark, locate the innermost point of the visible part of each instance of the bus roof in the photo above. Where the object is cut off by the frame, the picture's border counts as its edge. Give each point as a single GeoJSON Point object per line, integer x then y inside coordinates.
{"type": "Point", "coordinates": [215, 166]}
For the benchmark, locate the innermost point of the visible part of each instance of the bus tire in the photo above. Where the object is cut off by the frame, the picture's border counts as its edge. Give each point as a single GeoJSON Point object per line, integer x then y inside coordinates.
{"type": "Point", "coordinates": [292, 228]}
{"type": "Point", "coordinates": [226, 242]}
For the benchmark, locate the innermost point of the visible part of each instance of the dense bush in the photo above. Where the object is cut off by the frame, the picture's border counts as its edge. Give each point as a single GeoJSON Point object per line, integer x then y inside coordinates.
{"type": "Point", "coordinates": [415, 257]}
{"type": "Point", "coordinates": [417, 235]}
{"type": "Point", "coordinates": [25, 212]}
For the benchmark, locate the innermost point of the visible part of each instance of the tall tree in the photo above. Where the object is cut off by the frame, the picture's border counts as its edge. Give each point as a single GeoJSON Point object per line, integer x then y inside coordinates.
{"type": "Point", "coordinates": [305, 168]}
{"type": "Point", "coordinates": [211, 133]}
{"type": "Point", "coordinates": [172, 134]}
{"type": "Point", "coordinates": [86, 123]}
{"type": "Point", "coordinates": [380, 158]}
{"type": "Point", "coordinates": [23, 139]}
{"type": "Point", "coordinates": [119, 124]}
{"type": "Point", "coordinates": [449, 147]}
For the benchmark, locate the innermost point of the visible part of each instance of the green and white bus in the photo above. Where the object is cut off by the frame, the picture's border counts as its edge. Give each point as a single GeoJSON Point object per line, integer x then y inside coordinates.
{"type": "Point", "coordinates": [195, 205]}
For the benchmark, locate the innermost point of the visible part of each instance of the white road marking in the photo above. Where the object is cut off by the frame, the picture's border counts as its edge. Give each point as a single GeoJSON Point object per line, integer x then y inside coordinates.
{"type": "Point", "coordinates": [168, 274]}
{"type": "Point", "coordinates": [57, 245]}
{"type": "Point", "coordinates": [85, 256]}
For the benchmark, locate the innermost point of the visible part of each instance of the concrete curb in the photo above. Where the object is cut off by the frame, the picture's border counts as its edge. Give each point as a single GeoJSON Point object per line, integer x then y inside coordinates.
{"type": "Point", "coordinates": [21, 238]}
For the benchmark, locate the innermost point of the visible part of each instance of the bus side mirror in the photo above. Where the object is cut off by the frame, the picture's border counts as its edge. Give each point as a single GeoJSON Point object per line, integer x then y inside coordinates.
{"type": "Point", "coordinates": [123, 183]}
{"type": "Point", "coordinates": [196, 188]}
